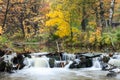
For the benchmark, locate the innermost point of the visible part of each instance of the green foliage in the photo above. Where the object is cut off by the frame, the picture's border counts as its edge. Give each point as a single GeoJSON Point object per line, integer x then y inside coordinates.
{"type": "Point", "coordinates": [32, 40]}
{"type": "Point", "coordinates": [16, 36]}
{"type": "Point", "coordinates": [118, 36]}
{"type": "Point", "coordinates": [3, 39]}
{"type": "Point", "coordinates": [106, 39]}
{"type": "Point", "coordinates": [54, 37]}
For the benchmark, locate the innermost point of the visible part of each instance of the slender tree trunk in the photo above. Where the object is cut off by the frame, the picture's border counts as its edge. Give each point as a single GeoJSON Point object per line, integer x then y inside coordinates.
{"type": "Point", "coordinates": [84, 17]}
{"type": "Point", "coordinates": [6, 13]}
{"type": "Point", "coordinates": [111, 12]}
{"type": "Point", "coordinates": [22, 24]}
{"type": "Point", "coordinates": [58, 48]}
{"type": "Point", "coordinates": [23, 31]}
{"type": "Point", "coordinates": [97, 16]}
{"type": "Point", "coordinates": [102, 18]}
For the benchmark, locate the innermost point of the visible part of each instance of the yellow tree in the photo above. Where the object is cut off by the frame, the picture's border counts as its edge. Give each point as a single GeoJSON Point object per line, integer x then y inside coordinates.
{"type": "Point", "coordinates": [57, 24]}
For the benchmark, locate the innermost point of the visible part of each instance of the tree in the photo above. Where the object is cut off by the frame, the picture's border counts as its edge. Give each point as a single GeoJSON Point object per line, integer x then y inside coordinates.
{"type": "Point", "coordinates": [57, 25]}
{"type": "Point", "coordinates": [19, 14]}
{"type": "Point", "coordinates": [111, 12]}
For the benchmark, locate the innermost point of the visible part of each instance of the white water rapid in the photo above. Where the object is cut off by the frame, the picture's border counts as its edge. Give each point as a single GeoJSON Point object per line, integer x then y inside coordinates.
{"type": "Point", "coordinates": [40, 71]}
{"type": "Point", "coordinates": [40, 62]}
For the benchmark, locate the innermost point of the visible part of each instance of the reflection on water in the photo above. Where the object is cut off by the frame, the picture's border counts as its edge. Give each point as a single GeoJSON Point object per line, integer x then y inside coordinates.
{"type": "Point", "coordinates": [57, 74]}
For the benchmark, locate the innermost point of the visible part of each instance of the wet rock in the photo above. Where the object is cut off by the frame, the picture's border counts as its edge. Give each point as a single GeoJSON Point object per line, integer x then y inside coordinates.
{"type": "Point", "coordinates": [75, 65]}
{"type": "Point", "coordinates": [18, 61]}
{"type": "Point", "coordinates": [106, 59]}
{"type": "Point", "coordinates": [2, 53]}
{"type": "Point", "coordinates": [82, 61]}
{"type": "Point", "coordinates": [5, 67]}
{"type": "Point", "coordinates": [105, 66]}
{"type": "Point", "coordinates": [2, 66]}
{"type": "Point", "coordinates": [56, 55]}
{"type": "Point", "coordinates": [111, 74]}
{"type": "Point", "coordinates": [27, 55]}
{"type": "Point", "coordinates": [11, 61]}
{"type": "Point", "coordinates": [89, 62]}
{"type": "Point", "coordinates": [51, 62]}
{"type": "Point", "coordinates": [6, 64]}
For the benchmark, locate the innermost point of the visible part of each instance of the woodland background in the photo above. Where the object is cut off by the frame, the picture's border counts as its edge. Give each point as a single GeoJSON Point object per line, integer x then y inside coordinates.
{"type": "Point", "coordinates": [60, 25]}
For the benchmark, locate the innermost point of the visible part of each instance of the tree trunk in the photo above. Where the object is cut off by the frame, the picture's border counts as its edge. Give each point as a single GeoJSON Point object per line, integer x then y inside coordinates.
{"type": "Point", "coordinates": [102, 18]}
{"type": "Point", "coordinates": [111, 12]}
{"type": "Point", "coordinates": [23, 31]}
{"type": "Point", "coordinates": [22, 23]}
{"type": "Point", "coordinates": [97, 16]}
{"type": "Point", "coordinates": [84, 17]}
{"type": "Point", "coordinates": [58, 48]}
{"type": "Point", "coordinates": [6, 13]}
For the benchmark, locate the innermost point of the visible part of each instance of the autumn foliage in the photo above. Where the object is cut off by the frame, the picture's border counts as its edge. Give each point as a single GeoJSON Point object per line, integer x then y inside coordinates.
{"type": "Point", "coordinates": [71, 23]}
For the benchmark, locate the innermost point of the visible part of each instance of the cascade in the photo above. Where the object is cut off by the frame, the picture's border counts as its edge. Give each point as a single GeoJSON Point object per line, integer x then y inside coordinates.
{"type": "Point", "coordinates": [96, 63]}
{"type": "Point", "coordinates": [68, 65]}
{"type": "Point", "coordinates": [40, 62]}
{"type": "Point", "coordinates": [115, 60]}
{"type": "Point", "coordinates": [68, 57]}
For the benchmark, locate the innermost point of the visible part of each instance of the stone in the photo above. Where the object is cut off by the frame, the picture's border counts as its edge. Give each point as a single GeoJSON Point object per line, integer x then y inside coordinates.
{"type": "Point", "coordinates": [51, 62]}
{"type": "Point", "coordinates": [111, 74]}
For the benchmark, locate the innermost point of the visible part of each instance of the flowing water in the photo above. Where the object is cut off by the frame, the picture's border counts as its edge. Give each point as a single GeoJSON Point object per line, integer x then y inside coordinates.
{"type": "Point", "coordinates": [57, 74]}
{"type": "Point", "coordinates": [40, 71]}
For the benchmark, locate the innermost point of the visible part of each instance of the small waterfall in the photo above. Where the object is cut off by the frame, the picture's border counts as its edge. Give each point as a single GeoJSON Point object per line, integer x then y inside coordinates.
{"type": "Point", "coordinates": [115, 62]}
{"type": "Point", "coordinates": [41, 62]}
{"type": "Point", "coordinates": [68, 57]}
{"type": "Point", "coordinates": [96, 63]}
{"type": "Point", "coordinates": [68, 65]}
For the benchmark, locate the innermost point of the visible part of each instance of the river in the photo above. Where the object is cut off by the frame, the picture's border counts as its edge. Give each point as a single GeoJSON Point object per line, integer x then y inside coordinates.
{"type": "Point", "coordinates": [42, 71]}
{"type": "Point", "coordinates": [34, 73]}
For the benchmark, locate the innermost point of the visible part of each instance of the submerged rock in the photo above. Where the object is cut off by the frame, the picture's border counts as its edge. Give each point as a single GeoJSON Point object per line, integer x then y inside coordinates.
{"type": "Point", "coordinates": [111, 74]}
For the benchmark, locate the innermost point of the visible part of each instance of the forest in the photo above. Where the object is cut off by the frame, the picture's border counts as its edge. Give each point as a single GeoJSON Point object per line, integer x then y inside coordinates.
{"type": "Point", "coordinates": [60, 25]}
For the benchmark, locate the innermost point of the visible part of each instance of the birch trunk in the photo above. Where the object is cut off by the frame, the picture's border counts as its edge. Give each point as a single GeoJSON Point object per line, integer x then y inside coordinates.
{"type": "Point", "coordinates": [58, 49]}
{"type": "Point", "coordinates": [111, 12]}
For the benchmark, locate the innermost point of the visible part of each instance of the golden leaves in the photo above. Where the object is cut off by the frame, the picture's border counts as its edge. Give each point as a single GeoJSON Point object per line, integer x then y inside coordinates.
{"type": "Point", "coordinates": [54, 14]}
{"type": "Point", "coordinates": [76, 32]}
{"type": "Point", "coordinates": [1, 30]}
{"type": "Point", "coordinates": [92, 24]}
{"type": "Point", "coordinates": [95, 37]}
{"type": "Point", "coordinates": [56, 19]}
{"type": "Point", "coordinates": [63, 30]}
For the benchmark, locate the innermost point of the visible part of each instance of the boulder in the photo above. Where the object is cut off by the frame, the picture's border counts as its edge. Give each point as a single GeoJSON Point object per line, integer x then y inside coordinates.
{"type": "Point", "coordinates": [6, 67]}
{"type": "Point", "coordinates": [75, 65]}
{"type": "Point", "coordinates": [18, 61]}
{"type": "Point", "coordinates": [51, 62]}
